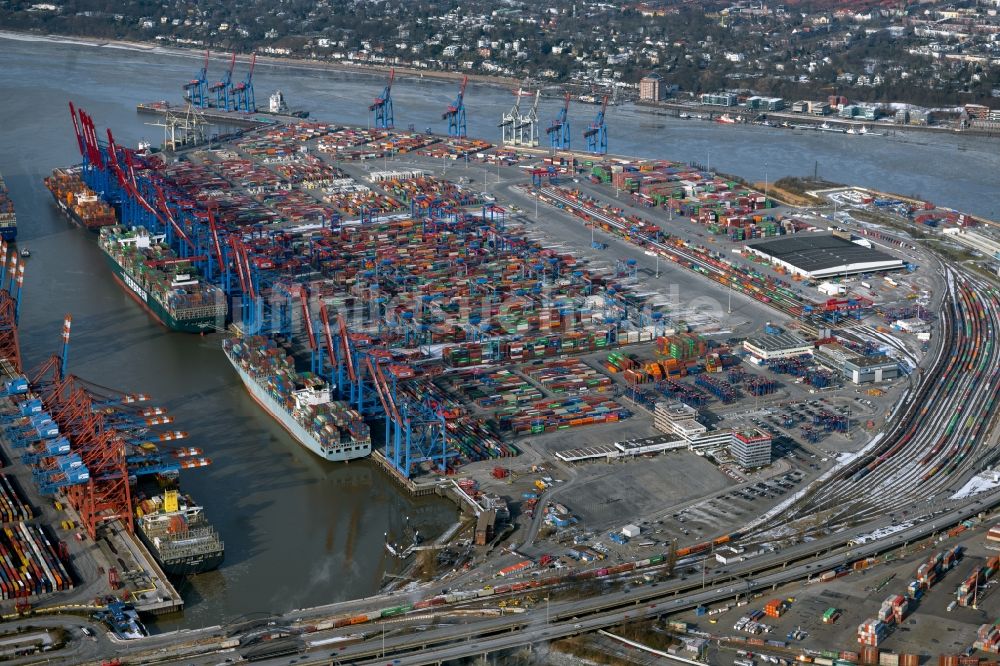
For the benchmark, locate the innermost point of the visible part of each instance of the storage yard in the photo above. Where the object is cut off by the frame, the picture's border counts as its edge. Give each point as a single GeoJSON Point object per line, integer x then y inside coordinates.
{"type": "Point", "coordinates": [892, 604]}
{"type": "Point", "coordinates": [585, 352]}
{"type": "Point", "coordinates": [415, 291]}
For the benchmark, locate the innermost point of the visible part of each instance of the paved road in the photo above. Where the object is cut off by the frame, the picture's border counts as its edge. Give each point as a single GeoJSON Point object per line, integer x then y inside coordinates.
{"type": "Point", "coordinates": [470, 636]}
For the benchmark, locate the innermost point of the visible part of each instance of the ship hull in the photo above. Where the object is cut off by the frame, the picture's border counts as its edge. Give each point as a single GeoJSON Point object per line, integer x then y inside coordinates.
{"type": "Point", "coordinates": [72, 216]}
{"type": "Point", "coordinates": [295, 429]}
{"type": "Point", "coordinates": [187, 566]}
{"type": "Point", "coordinates": [154, 307]}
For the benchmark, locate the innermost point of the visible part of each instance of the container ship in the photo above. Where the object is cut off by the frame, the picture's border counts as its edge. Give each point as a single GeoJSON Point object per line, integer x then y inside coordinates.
{"type": "Point", "coordinates": [8, 220]}
{"type": "Point", "coordinates": [178, 535]}
{"type": "Point", "coordinates": [163, 283]}
{"type": "Point", "coordinates": [77, 201]}
{"type": "Point", "coordinates": [300, 402]}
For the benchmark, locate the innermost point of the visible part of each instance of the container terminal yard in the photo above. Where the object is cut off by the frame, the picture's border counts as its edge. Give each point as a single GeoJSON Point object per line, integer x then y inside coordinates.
{"type": "Point", "coordinates": [662, 398]}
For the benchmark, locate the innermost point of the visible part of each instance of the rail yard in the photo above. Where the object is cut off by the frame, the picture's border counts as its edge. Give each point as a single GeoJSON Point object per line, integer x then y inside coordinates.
{"type": "Point", "coordinates": [644, 416]}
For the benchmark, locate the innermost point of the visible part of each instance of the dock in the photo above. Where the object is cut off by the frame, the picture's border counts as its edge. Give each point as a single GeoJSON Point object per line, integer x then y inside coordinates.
{"type": "Point", "coordinates": [116, 556]}
{"type": "Point", "coordinates": [216, 116]}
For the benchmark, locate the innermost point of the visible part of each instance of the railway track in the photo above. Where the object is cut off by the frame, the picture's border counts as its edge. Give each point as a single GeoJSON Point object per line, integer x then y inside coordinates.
{"type": "Point", "coordinates": [940, 438]}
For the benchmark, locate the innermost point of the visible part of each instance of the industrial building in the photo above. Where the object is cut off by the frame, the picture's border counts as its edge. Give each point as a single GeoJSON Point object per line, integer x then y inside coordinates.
{"type": "Point", "coordinates": [820, 256]}
{"type": "Point", "coordinates": [974, 241]}
{"type": "Point", "coordinates": [631, 531]}
{"type": "Point", "coordinates": [832, 289]}
{"type": "Point", "coordinates": [750, 448]}
{"type": "Point", "coordinates": [858, 368]}
{"type": "Point", "coordinates": [775, 346]}
{"type": "Point", "coordinates": [912, 325]}
{"type": "Point", "coordinates": [681, 420]}
{"type": "Point", "coordinates": [728, 555]}
{"type": "Point", "coordinates": [485, 525]}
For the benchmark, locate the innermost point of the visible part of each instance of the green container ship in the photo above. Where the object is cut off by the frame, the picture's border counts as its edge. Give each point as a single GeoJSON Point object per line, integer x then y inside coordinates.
{"type": "Point", "coordinates": [163, 283]}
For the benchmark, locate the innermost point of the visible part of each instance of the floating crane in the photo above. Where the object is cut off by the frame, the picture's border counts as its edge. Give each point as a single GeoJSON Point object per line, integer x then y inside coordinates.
{"type": "Point", "coordinates": [243, 91]}
{"type": "Point", "coordinates": [196, 90]}
{"type": "Point", "coordinates": [597, 134]}
{"type": "Point", "coordinates": [382, 106]}
{"type": "Point", "coordinates": [559, 136]}
{"type": "Point", "coordinates": [455, 113]}
{"type": "Point", "coordinates": [224, 89]}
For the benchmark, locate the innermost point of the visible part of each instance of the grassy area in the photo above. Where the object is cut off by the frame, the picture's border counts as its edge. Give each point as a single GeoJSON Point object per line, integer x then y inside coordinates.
{"type": "Point", "coordinates": [794, 191]}
{"type": "Point", "coordinates": [581, 648]}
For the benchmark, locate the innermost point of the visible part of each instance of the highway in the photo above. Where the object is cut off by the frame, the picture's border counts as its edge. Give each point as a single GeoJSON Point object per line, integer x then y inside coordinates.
{"type": "Point", "coordinates": [611, 606]}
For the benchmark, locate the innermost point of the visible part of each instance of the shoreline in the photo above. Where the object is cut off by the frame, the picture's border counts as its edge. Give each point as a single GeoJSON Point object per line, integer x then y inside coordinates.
{"type": "Point", "coordinates": [272, 60]}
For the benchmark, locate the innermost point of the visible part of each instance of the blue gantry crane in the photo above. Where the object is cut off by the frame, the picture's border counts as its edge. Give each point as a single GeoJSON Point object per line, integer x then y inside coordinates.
{"type": "Point", "coordinates": [381, 108]}
{"type": "Point", "coordinates": [243, 91]}
{"type": "Point", "coordinates": [223, 89]}
{"type": "Point", "coordinates": [455, 113]}
{"type": "Point", "coordinates": [559, 136]}
{"type": "Point", "coordinates": [196, 90]}
{"type": "Point", "coordinates": [597, 134]}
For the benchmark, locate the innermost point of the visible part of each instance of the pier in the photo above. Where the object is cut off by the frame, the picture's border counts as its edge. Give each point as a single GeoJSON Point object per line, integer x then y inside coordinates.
{"type": "Point", "coordinates": [115, 564]}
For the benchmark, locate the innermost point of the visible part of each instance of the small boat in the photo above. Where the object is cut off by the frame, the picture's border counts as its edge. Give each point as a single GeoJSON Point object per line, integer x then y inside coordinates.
{"type": "Point", "coordinates": [25, 252]}
{"type": "Point", "coordinates": [684, 115]}
{"type": "Point", "coordinates": [850, 130]}
{"type": "Point", "coordinates": [726, 119]}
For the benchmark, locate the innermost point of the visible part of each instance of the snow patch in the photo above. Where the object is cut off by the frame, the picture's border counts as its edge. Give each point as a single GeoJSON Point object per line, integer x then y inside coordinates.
{"type": "Point", "coordinates": [978, 484]}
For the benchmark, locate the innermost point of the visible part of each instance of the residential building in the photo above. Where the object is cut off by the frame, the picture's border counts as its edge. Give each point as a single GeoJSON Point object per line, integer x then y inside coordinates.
{"type": "Point", "coordinates": [718, 99]}
{"type": "Point", "coordinates": [651, 88]}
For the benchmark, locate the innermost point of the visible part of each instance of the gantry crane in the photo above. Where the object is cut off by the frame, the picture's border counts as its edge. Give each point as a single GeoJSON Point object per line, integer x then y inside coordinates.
{"type": "Point", "coordinates": [559, 135]}
{"type": "Point", "coordinates": [455, 113]}
{"type": "Point", "coordinates": [196, 90]}
{"type": "Point", "coordinates": [11, 279]}
{"type": "Point", "coordinates": [597, 134]}
{"type": "Point", "coordinates": [243, 91]}
{"type": "Point", "coordinates": [509, 120]}
{"type": "Point", "coordinates": [381, 108]}
{"type": "Point", "coordinates": [415, 432]}
{"type": "Point", "coordinates": [527, 125]}
{"type": "Point", "coordinates": [224, 89]}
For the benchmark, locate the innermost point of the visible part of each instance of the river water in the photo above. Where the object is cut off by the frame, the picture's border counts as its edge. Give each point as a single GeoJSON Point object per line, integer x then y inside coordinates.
{"type": "Point", "coordinates": [299, 531]}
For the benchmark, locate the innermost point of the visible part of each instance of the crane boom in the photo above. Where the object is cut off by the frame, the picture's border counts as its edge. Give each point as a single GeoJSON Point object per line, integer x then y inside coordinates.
{"type": "Point", "coordinates": [346, 344]}
{"type": "Point", "coordinates": [76, 129]}
{"type": "Point", "coordinates": [307, 317]}
{"type": "Point", "coordinates": [324, 318]}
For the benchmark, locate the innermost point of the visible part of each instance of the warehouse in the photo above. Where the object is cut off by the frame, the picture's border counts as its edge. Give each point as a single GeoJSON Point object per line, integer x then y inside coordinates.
{"type": "Point", "coordinates": [822, 256]}
{"type": "Point", "coordinates": [857, 368]}
{"type": "Point", "coordinates": [780, 345]}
